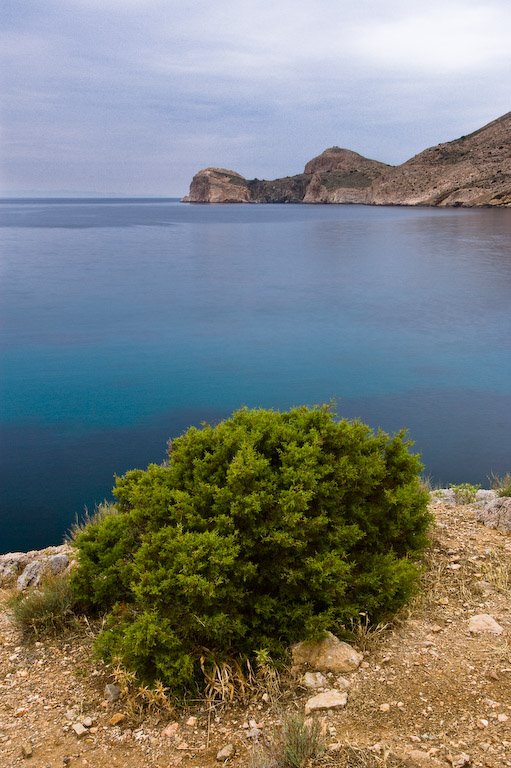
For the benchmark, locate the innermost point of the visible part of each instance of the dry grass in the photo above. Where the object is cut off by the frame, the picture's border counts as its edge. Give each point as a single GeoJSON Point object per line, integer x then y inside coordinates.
{"type": "Point", "coordinates": [45, 610]}
{"type": "Point", "coordinates": [299, 742]}
{"type": "Point", "coordinates": [366, 636]}
{"type": "Point", "coordinates": [236, 681]}
{"type": "Point", "coordinates": [141, 700]}
{"type": "Point", "coordinates": [496, 571]}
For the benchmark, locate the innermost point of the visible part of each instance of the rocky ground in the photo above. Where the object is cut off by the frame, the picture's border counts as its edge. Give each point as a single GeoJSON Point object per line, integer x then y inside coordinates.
{"type": "Point", "coordinates": [434, 690]}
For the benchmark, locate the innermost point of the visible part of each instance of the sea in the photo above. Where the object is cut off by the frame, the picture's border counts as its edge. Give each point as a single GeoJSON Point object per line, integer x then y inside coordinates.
{"type": "Point", "coordinates": [125, 321]}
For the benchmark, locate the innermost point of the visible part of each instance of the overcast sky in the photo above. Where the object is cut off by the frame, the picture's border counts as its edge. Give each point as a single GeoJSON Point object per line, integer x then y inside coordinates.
{"type": "Point", "coordinates": [135, 96]}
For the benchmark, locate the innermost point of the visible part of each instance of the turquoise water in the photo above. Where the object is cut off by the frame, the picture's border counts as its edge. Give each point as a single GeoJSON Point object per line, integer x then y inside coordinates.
{"type": "Point", "coordinates": [123, 322]}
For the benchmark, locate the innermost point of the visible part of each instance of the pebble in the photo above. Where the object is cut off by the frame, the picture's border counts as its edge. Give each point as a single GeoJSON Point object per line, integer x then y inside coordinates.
{"type": "Point", "coordinates": [226, 753]}
{"type": "Point", "coordinates": [384, 707]}
{"type": "Point", "coordinates": [112, 692]}
{"type": "Point", "coordinates": [327, 700]}
{"type": "Point", "coordinates": [483, 622]}
{"type": "Point", "coordinates": [170, 730]}
{"type": "Point", "coordinates": [79, 729]}
{"type": "Point", "coordinates": [117, 718]}
{"type": "Point", "coordinates": [27, 750]}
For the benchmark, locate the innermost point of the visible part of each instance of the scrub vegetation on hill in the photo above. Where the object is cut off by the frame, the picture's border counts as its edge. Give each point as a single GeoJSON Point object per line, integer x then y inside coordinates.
{"type": "Point", "coordinates": [266, 529]}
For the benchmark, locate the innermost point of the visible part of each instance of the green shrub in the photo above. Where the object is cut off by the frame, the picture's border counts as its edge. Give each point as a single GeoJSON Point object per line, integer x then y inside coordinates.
{"type": "Point", "coordinates": [268, 528]}
{"type": "Point", "coordinates": [464, 493]}
{"type": "Point", "coordinates": [44, 610]}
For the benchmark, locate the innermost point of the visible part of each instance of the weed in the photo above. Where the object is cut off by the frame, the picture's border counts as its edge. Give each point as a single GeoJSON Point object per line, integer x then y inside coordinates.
{"type": "Point", "coordinates": [141, 699]}
{"type": "Point", "coordinates": [497, 571]}
{"type": "Point", "coordinates": [45, 610]}
{"type": "Point", "coordinates": [464, 493]}
{"type": "Point", "coordinates": [230, 680]}
{"type": "Point", "coordinates": [299, 742]}
{"type": "Point", "coordinates": [502, 485]}
{"type": "Point", "coordinates": [101, 511]}
{"type": "Point", "coordinates": [366, 636]}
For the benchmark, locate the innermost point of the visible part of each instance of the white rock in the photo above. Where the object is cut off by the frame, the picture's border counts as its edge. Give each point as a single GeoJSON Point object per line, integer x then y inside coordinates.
{"type": "Point", "coordinates": [483, 622]}
{"type": "Point", "coordinates": [461, 760]}
{"type": "Point", "coordinates": [314, 680]}
{"type": "Point", "coordinates": [327, 700]}
{"type": "Point", "coordinates": [327, 655]}
{"type": "Point", "coordinates": [79, 729]}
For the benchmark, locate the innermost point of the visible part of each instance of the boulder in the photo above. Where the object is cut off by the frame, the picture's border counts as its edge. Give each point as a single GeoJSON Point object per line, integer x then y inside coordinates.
{"type": "Point", "coordinates": [496, 513]}
{"type": "Point", "coordinates": [326, 655]}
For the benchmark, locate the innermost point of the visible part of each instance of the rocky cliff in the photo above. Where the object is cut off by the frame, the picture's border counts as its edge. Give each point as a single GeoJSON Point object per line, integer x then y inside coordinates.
{"type": "Point", "coordinates": [473, 170]}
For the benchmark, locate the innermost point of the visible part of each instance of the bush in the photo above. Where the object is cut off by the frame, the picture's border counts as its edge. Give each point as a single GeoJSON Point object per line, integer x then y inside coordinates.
{"type": "Point", "coordinates": [464, 493]}
{"type": "Point", "coordinates": [266, 529]}
{"type": "Point", "coordinates": [44, 610]}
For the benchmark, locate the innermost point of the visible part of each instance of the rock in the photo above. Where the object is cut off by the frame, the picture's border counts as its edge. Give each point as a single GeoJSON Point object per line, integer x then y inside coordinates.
{"type": "Point", "coordinates": [192, 721]}
{"type": "Point", "coordinates": [496, 513]}
{"type": "Point", "coordinates": [384, 707]}
{"type": "Point", "coordinates": [461, 760]}
{"type": "Point", "coordinates": [31, 575]}
{"type": "Point", "coordinates": [314, 680]}
{"type": "Point", "coordinates": [483, 622]}
{"type": "Point", "coordinates": [112, 692]}
{"type": "Point", "coordinates": [11, 566]}
{"type": "Point", "coordinates": [342, 683]}
{"type": "Point", "coordinates": [57, 563]}
{"type": "Point", "coordinates": [27, 750]}
{"type": "Point", "coordinates": [474, 170]}
{"type": "Point", "coordinates": [327, 700]}
{"type": "Point", "coordinates": [117, 718]}
{"type": "Point", "coordinates": [418, 758]}
{"type": "Point", "coordinates": [226, 753]}
{"type": "Point", "coordinates": [327, 655]}
{"type": "Point", "coordinates": [79, 729]}
{"type": "Point", "coordinates": [170, 730]}
{"type": "Point", "coordinates": [87, 722]}
{"type": "Point", "coordinates": [218, 185]}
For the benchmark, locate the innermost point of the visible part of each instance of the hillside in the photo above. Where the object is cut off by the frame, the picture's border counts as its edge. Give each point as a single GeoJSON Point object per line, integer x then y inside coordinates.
{"type": "Point", "coordinates": [474, 170]}
{"type": "Point", "coordinates": [430, 693]}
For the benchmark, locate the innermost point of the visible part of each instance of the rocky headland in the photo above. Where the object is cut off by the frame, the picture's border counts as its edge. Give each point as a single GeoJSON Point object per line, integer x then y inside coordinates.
{"type": "Point", "coordinates": [474, 170]}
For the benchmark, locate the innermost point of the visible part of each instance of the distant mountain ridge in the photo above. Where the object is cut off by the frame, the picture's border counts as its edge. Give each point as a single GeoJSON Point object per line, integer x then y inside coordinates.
{"type": "Point", "coordinates": [474, 170]}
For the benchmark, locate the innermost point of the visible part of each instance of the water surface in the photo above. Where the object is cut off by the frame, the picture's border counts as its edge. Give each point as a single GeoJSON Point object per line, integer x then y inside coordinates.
{"type": "Point", "coordinates": [125, 321]}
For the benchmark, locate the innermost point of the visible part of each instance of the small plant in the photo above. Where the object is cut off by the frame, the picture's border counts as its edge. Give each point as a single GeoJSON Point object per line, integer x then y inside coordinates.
{"type": "Point", "coordinates": [45, 610]}
{"type": "Point", "coordinates": [464, 493]}
{"type": "Point", "coordinates": [364, 635]}
{"type": "Point", "coordinates": [299, 742]}
{"type": "Point", "coordinates": [140, 699]}
{"type": "Point", "coordinates": [502, 485]}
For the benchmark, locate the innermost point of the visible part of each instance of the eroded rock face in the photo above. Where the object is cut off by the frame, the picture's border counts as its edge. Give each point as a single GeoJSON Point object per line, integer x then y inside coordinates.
{"type": "Point", "coordinates": [27, 568]}
{"type": "Point", "coordinates": [218, 185]}
{"type": "Point", "coordinates": [474, 170]}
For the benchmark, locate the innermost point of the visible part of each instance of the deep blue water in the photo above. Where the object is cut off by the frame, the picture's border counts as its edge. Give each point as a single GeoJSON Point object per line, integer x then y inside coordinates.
{"type": "Point", "coordinates": [123, 322]}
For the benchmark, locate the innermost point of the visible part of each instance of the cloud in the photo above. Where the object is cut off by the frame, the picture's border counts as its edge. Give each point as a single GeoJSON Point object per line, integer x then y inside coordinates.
{"type": "Point", "coordinates": [143, 92]}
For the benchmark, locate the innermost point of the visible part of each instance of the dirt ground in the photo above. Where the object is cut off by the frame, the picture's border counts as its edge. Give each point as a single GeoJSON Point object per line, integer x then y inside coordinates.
{"type": "Point", "coordinates": [428, 690]}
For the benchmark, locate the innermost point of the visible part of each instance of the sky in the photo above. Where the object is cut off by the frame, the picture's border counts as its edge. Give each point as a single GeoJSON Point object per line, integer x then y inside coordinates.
{"type": "Point", "coordinates": [132, 97]}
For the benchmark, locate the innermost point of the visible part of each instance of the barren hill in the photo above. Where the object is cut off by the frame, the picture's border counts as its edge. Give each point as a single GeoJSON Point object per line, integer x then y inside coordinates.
{"type": "Point", "coordinates": [474, 170]}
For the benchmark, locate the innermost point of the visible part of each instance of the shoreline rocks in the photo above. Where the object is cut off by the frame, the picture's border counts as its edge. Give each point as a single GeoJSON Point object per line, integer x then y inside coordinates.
{"type": "Point", "coordinates": [25, 569]}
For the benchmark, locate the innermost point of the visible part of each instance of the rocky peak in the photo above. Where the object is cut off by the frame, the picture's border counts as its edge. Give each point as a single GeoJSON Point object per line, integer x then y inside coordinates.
{"type": "Point", "coordinates": [218, 185]}
{"type": "Point", "coordinates": [344, 160]}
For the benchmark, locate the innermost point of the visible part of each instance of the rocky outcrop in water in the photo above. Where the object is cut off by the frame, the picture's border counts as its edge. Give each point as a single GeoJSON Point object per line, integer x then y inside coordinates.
{"type": "Point", "coordinates": [474, 170]}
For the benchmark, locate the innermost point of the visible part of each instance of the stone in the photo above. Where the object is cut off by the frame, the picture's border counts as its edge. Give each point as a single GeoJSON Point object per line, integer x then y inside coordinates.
{"type": "Point", "coordinates": [418, 758]}
{"type": "Point", "coordinates": [314, 680]}
{"type": "Point", "coordinates": [384, 707]}
{"type": "Point", "coordinates": [11, 565]}
{"type": "Point", "coordinates": [496, 513]}
{"type": "Point", "coordinates": [27, 750]}
{"type": "Point", "coordinates": [79, 729]}
{"type": "Point", "coordinates": [170, 730]}
{"type": "Point", "coordinates": [87, 722]}
{"type": "Point", "coordinates": [226, 753]}
{"type": "Point", "coordinates": [31, 575]}
{"type": "Point", "coordinates": [192, 721]}
{"type": "Point", "coordinates": [57, 563]}
{"type": "Point", "coordinates": [483, 622]}
{"type": "Point", "coordinates": [117, 718]}
{"type": "Point", "coordinates": [342, 683]}
{"type": "Point", "coordinates": [461, 760]}
{"type": "Point", "coordinates": [326, 700]}
{"type": "Point", "coordinates": [326, 655]}
{"type": "Point", "coordinates": [112, 692]}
